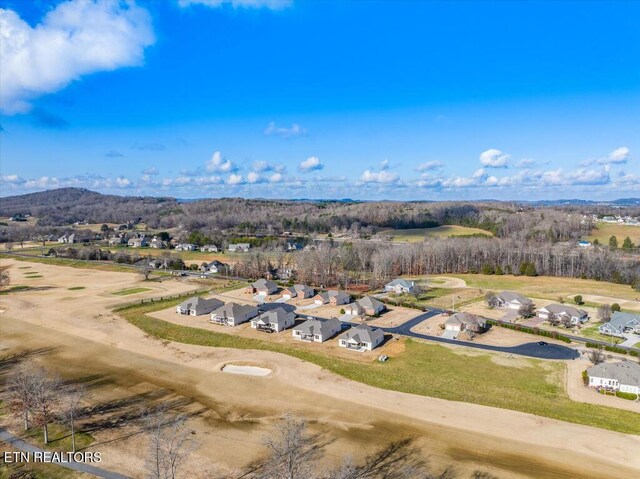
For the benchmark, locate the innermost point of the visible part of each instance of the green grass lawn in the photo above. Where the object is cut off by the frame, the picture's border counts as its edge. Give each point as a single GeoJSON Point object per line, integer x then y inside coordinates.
{"type": "Point", "coordinates": [73, 263]}
{"type": "Point", "coordinates": [59, 438]}
{"type": "Point", "coordinates": [424, 369]}
{"type": "Point", "coordinates": [419, 234]}
{"type": "Point", "coordinates": [125, 292]}
{"type": "Point", "coordinates": [15, 289]}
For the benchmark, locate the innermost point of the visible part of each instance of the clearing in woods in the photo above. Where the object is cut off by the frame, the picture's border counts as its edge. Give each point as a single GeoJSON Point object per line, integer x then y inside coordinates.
{"type": "Point", "coordinates": [416, 235]}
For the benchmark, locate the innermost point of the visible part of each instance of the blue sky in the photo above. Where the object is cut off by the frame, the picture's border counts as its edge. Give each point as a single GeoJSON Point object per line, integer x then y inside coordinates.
{"type": "Point", "coordinates": [309, 99]}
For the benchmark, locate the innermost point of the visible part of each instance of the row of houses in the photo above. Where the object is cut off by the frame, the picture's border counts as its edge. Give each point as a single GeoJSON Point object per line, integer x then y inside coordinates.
{"type": "Point", "coordinates": [274, 320]}
{"type": "Point", "coordinates": [551, 312]}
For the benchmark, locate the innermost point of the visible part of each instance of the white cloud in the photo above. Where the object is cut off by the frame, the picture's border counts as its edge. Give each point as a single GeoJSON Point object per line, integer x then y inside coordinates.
{"type": "Point", "coordinates": [493, 158]}
{"type": "Point", "coordinates": [283, 132]}
{"type": "Point", "coordinates": [253, 177]}
{"type": "Point", "coordinates": [384, 164]}
{"type": "Point", "coordinates": [76, 38]}
{"type": "Point", "coordinates": [619, 155]}
{"type": "Point", "coordinates": [525, 163]}
{"type": "Point", "coordinates": [270, 4]}
{"type": "Point", "coordinates": [234, 179]}
{"type": "Point", "coordinates": [429, 165]}
{"type": "Point", "coordinates": [275, 178]}
{"type": "Point", "coordinates": [370, 176]}
{"type": "Point", "coordinates": [150, 171]}
{"type": "Point", "coordinates": [311, 164]}
{"type": "Point", "coordinates": [218, 164]}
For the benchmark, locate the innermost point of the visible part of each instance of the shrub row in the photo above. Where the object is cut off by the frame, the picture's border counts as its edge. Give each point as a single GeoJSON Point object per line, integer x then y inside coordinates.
{"type": "Point", "coordinates": [536, 331]}
{"type": "Point", "coordinates": [613, 349]}
{"type": "Point", "coordinates": [630, 396]}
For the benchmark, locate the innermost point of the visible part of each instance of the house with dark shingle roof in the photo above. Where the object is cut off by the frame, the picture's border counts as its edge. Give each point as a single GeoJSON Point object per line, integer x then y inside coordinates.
{"type": "Point", "coordinates": [399, 286]}
{"type": "Point", "coordinates": [361, 338]}
{"type": "Point", "coordinates": [232, 314]}
{"type": "Point", "coordinates": [300, 291]}
{"type": "Point", "coordinates": [465, 322]}
{"type": "Point", "coordinates": [274, 320]}
{"type": "Point", "coordinates": [332, 297]}
{"type": "Point", "coordinates": [197, 306]}
{"type": "Point", "coordinates": [366, 305]}
{"type": "Point", "coordinates": [562, 312]}
{"type": "Point", "coordinates": [511, 300]}
{"type": "Point", "coordinates": [263, 287]}
{"type": "Point", "coordinates": [317, 330]}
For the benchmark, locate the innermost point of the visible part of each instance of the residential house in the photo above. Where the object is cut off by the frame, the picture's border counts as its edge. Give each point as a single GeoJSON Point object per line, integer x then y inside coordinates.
{"type": "Point", "coordinates": [239, 248]}
{"type": "Point", "coordinates": [214, 267]}
{"type": "Point", "coordinates": [623, 376]}
{"type": "Point", "coordinates": [138, 241]}
{"type": "Point", "coordinates": [621, 323]}
{"type": "Point", "coordinates": [367, 305]}
{"type": "Point", "coordinates": [284, 274]}
{"type": "Point", "coordinates": [300, 291]}
{"type": "Point", "coordinates": [18, 217]}
{"type": "Point", "coordinates": [197, 306]}
{"type": "Point", "coordinates": [399, 286]}
{"type": "Point", "coordinates": [293, 246]}
{"type": "Point", "coordinates": [317, 330]}
{"type": "Point", "coordinates": [511, 300]}
{"type": "Point", "coordinates": [274, 321]}
{"type": "Point", "coordinates": [332, 297]}
{"type": "Point", "coordinates": [562, 312]}
{"type": "Point", "coordinates": [116, 240]}
{"type": "Point", "coordinates": [263, 287]}
{"type": "Point", "coordinates": [209, 248]}
{"type": "Point", "coordinates": [465, 322]}
{"type": "Point", "coordinates": [186, 247]}
{"type": "Point", "coordinates": [584, 244]}
{"type": "Point", "coordinates": [233, 314]}
{"type": "Point", "coordinates": [157, 243]}
{"type": "Point", "coordinates": [361, 338]}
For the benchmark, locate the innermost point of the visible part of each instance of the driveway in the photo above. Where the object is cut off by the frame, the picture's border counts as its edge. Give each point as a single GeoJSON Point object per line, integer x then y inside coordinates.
{"type": "Point", "coordinates": [533, 322]}
{"type": "Point", "coordinates": [448, 334]}
{"type": "Point", "coordinates": [509, 315]}
{"type": "Point", "coordinates": [20, 445]}
{"type": "Point", "coordinates": [630, 340]}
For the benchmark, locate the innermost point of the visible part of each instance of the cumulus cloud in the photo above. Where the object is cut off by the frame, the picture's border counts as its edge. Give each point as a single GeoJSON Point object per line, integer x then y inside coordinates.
{"type": "Point", "coordinates": [619, 155]}
{"type": "Point", "coordinates": [526, 163]}
{"type": "Point", "coordinates": [152, 171]}
{"type": "Point", "coordinates": [218, 164]}
{"type": "Point", "coordinates": [283, 132]}
{"type": "Point", "coordinates": [275, 178]}
{"type": "Point", "coordinates": [429, 165]}
{"type": "Point", "coordinates": [270, 4]}
{"type": "Point", "coordinates": [76, 38]}
{"type": "Point", "coordinates": [235, 179]}
{"type": "Point", "coordinates": [369, 176]}
{"type": "Point", "coordinates": [493, 158]}
{"type": "Point", "coordinates": [311, 164]}
{"type": "Point", "coordinates": [253, 177]}
{"type": "Point", "coordinates": [384, 164]}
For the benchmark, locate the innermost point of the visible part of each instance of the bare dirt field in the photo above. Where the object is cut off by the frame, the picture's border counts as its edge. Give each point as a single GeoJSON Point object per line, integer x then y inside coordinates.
{"type": "Point", "coordinates": [75, 333]}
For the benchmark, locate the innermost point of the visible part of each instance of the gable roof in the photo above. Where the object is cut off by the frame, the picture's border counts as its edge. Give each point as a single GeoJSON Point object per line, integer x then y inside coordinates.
{"type": "Point", "coordinates": [264, 283]}
{"type": "Point", "coordinates": [319, 326]}
{"type": "Point", "coordinates": [625, 372]}
{"type": "Point", "coordinates": [362, 333]}
{"type": "Point", "coordinates": [197, 301]}
{"type": "Point", "coordinates": [233, 310]}
{"type": "Point", "coordinates": [369, 302]}
{"type": "Point", "coordinates": [619, 320]}
{"type": "Point", "coordinates": [508, 296]}
{"type": "Point", "coordinates": [569, 310]}
{"type": "Point", "coordinates": [466, 319]}
{"type": "Point", "coordinates": [276, 316]}
{"type": "Point", "coordinates": [401, 282]}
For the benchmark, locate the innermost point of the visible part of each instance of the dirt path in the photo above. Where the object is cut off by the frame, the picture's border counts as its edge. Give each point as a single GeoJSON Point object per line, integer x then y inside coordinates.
{"type": "Point", "coordinates": [624, 303]}
{"type": "Point", "coordinates": [84, 338]}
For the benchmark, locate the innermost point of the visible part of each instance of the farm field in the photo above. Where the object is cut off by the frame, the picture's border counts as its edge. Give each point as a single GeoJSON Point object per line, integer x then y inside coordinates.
{"type": "Point", "coordinates": [603, 231]}
{"type": "Point", "coordinates": [418, 234]}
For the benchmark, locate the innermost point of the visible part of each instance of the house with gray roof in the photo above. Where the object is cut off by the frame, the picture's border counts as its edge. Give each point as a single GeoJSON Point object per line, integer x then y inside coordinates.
{"type": "Point", "coordinates": [233, 314]}
{"type": "Point", "coordinates": [274, 320]}
{"type": "Point", "coordinates": [361, 338]}
{"type": "Point", "coordinates": [214, 267]}
{"type": "Point", "coordinates": [300, 291]}
{"type": "Point", "coordinates": [366, 305]}
{"type": "Point", "coordinates": [239, 248]}
{"type": "Point", "coordinates": [459, 322]}
{"type": "Point", "coordinates": [511, 300]}
{"type": "Point", "coordinates": [562, 312]}
{"type": "Point", "coordinates": [263, 287]}
{"type": "Point", "coordinates": [332, 297]}
{"type": "Point", "coordinates": [317, 330]}
{"type": "Point", "coordinates": [209, 248]}
{"type": "Point", "coordinates": [621, 323]}
{"type": "Point", "coordinates": [197, 306]}
{"type": "Point", "coordinates": [399, 286]}
{"type": "Point", "coordinates": [623, 376]}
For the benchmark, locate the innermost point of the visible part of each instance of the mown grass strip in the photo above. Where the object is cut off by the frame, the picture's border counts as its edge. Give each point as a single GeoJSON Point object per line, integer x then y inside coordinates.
{"type": "Point", "coordinates": [424, 369]}
{"type": "Point", "coordinates": [128, 291]}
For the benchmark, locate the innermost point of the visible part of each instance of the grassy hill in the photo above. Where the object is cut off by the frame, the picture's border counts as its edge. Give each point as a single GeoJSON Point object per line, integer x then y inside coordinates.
{"type": "Point", "coordinates": [419, 234]}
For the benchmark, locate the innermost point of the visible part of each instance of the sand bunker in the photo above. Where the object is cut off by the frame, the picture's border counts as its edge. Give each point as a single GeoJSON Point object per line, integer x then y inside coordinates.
{"type": "Point", "coordinates": [248, 370]}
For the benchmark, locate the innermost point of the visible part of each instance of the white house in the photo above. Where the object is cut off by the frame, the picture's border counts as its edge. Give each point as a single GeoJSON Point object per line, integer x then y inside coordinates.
{"type": "Point", "coordinates": [137, 242]}
{"type": "Point", "coordinates": [317, 330]}
{"type": "Point", "coordinates": [562, 312]}
{"type": "Point", "coordinates": [511, 300]}
{"type": "Point", "coordinates": [367, 305]}
{"type": "Point", "coordinates": [197, 306]}
{"type": "Point", "coordinates": [239, 248]}
{"type": "Point", "coordinates": [361, 338]}
{"type": "Point", "coordinates": [333, 297]}
{"type": "Point", "coordinates": [399, 286]}
{"type": "Point", "coordinates": [232, 314]}
{"type": "Point", "coordinates": [263, 287]}
{"type": "Point", "coordinates": [157, 243]}
{"type": "Point", "coordinates": [621, 323]}
{"type": "Point", "coordinates": [274, 321]}
{"type": "Point", "coordinates": [186, 247]}
{"type": "Point", "coordinates": [623, 376]}
{"type": "Point", "coordinates": [209, 248]}
{"type": "Point", "coordinates": [214, 267]}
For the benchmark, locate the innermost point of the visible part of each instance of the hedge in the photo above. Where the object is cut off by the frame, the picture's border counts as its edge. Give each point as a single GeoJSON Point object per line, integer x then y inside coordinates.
{"type": "Point", "coordinates": [585, 377]}
{"type": "Point", "coordinates": [630, 396]}
{"type": "Point", "coordinates": [526, 329]}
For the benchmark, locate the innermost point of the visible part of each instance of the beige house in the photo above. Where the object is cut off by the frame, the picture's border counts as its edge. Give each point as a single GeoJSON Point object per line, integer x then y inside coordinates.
{"type": "Point", "coordinates": [361, 338]}
{"type": "Point", "coordinates": [263, 287]}
{"type": "Point", "coordinates": [367, 305]}
{"type": "Point", "coordinates": [197, 306]}
{"type": "Point", "coordinates": [274, 321]}
{"type": "Point", "coordinates": [332, 297]}
{"type": "Point", "coordinates": [465, 322]}
{"type": "Point", "coordinates": [317, 330]}
{"type": "Point", "coordinates": [299, 291]}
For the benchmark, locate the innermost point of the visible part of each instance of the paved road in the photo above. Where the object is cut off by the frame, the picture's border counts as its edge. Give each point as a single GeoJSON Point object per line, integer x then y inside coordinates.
{"type": "Point", "coordinates": [19, 444]}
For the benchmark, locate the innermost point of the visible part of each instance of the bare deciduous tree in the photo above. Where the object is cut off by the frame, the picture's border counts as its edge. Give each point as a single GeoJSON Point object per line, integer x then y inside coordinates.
{"type": "Point", "coordinates": [72, 399]}
{"type": "Point", "coordinates": [604, 313]}
{"type": "Point", "coordinates": [292, 451]}
{"type": "Point", "coordinates": [526, 310]}
{"type": "Point", "coordinates": [5, 279]}
{"type": "Point", "coordinates": [145, 271]}
{"type": "Point", "coordinates": [170, 443]}
{"type": "Point", "coordinates": [596, 356]}
{"type": "Point", "coordinates": [46, 397]}
{"type": "Point", "coordinates": [20, 389]}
